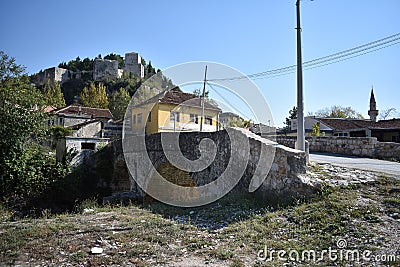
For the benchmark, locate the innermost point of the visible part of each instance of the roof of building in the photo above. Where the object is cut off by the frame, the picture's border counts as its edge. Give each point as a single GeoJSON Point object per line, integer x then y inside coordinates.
{"type": "Point", "coordinates": [348, 124]}
{"type": "Point", "coordinates": [180, 98]}
{"type": "Point", "coordinates": [79, 125]}
{"type": "Point", "coordinates": [49, 109]}
{"type": "Point", "coordinates": [92, 112]}
{"type": "Point", "coordinates": [388, 124]}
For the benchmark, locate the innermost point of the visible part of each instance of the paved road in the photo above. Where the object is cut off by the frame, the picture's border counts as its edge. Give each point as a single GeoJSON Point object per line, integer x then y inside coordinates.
{"type": "Point", "coordinates": [387, 167]}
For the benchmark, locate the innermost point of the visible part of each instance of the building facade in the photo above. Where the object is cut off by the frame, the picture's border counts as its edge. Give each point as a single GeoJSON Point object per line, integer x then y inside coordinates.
{"type": "Point", "coordinates": [173, 111]}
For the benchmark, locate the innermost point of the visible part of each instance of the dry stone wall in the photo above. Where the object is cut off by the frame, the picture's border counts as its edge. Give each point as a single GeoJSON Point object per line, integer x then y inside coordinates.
{"type": "Point", "coordinates": [284, 177]}
{"type": "Point", "coordinates": [354, 146]}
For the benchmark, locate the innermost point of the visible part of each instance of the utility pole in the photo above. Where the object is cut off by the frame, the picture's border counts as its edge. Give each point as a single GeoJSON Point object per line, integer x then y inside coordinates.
{"type": "Point", "coordinates": [174, 113]}
{"type": "Point", "coordinates": [300, 144]}
{"type": "Point", "coordinates": [203, 98]}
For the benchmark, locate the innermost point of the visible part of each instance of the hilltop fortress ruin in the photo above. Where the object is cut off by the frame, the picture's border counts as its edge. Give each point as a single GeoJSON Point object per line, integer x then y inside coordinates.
{"type": "Point", "coordinates": [103, 69]}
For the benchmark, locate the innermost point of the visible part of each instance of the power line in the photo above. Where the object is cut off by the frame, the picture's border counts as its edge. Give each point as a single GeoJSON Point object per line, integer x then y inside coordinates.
{"type": "Point", "coordinates": [323, 61]}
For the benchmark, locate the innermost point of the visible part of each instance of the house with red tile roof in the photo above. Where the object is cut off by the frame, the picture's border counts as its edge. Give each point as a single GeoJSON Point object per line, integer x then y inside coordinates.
{"type": "Point", "coordinates": [92, 128]}
{"type": "Point", "coordinates": [383, 130]}
{"type": "Point", "coordinates": [171, 111]}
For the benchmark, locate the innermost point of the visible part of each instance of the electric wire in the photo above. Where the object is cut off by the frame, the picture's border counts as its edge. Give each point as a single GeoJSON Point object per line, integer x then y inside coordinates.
{"type": "Point", "coordinates": [322, 61]}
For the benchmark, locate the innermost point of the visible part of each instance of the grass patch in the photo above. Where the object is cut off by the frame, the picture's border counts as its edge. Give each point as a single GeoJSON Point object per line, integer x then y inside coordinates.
{"type": "Point", "coordinates": [161, 234]}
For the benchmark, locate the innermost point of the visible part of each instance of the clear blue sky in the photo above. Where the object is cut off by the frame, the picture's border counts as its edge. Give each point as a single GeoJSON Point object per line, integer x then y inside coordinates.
{"type": "Point", "coordinates": [251, 36]}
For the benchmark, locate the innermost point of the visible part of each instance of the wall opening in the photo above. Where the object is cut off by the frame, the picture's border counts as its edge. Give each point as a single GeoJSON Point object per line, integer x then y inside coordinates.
{"type": "Point", "coordinates": [91, 146]}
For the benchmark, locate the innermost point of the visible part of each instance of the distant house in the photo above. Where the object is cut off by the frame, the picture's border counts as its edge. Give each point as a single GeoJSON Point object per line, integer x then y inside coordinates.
{"type": "Point", "coordinates": [174, 111]}
{"type": "Point", "coordinates": [226, 117]}
{"type": "Point", "coordinates": [92, 128]}
{"type": "Point", "coordinates": [73, 115]}
{"type": "Point", "coordinates": [262, 129]}
{"type": "Point", "coordinates": [383, 130]}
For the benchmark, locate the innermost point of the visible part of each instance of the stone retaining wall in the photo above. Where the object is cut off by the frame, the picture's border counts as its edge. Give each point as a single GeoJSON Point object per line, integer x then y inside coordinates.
{"type": "Point", "coordinates": [280, 171]}
{"type": "Point", "coordinates": [354, 146]}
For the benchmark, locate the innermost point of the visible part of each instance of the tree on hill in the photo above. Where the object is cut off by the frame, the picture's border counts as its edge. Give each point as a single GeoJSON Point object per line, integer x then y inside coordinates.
{"type": "Point", "coordinates": [339, 112]}
{"type": "Point", "coordinates": [128, 81]}
{"type": "Point", "coordinates": [78, 65]}
{"type": "Point", "coordinates": [119, 101]}
{"type": "Point", "coordinates": [94, 96]}
{"type": "Point", "coordinates": [150, 71]}
{"type": "Point", "coordinates": [116, 57]}
{"type": "Point", "coordinates": [53, 95]}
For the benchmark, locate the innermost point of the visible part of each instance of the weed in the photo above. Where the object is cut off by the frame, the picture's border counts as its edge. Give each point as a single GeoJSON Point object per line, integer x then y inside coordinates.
{"type": "Point", "coordinates": [237, 263]}
{"type": "Point", "coordinates": [78, 256]}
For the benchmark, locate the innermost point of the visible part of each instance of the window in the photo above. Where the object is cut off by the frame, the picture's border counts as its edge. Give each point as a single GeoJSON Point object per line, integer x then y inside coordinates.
{"type": "Point", "coordinates": [149, 117]}
{"type": "Point", "coordinates": [134, 119]}
{"type": "Point", "coordinates": [90, 146]}
{"type": "Point", "coordinates": [139, 118]}
{"type": "Point", "coordinates": [194, 118]}
{"type": "Point", "coordinates": [208, 120]}
{"type": "Point", "coordinates": [61, 121]}
{"type": "Point", "coordinates": [174, 116]}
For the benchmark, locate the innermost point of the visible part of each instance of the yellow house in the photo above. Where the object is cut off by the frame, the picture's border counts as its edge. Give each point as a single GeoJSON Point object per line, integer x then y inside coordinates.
{"type": "Point", "coordinates": [174, 111]}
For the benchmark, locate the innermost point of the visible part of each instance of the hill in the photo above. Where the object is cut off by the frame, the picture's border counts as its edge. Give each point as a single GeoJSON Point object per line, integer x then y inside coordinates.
{"type": "Point", "coordinates": [114, 71]}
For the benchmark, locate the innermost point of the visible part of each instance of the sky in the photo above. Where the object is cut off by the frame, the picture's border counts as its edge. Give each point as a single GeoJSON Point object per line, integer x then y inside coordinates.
{"type": "Point", "coordinates": [249, 36]}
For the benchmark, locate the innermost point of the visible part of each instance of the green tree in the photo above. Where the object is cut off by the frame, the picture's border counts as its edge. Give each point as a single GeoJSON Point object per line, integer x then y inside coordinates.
{"type": "Point", "coordinates": [53, 95]}
{"type": "Point", "coordinates": [25, 169]}
{"type": "Point", "coordinates": [129, 82]}
{"type": "Point", "coordinates": [199, 93]}
{"type": "Point", "coordinates": [119, 101]}
{"type": "Point", "coordinates": [238, 122]}
{"type": "Point", "coordinates": [316, 130]}
{"type": "Point", "coordinates": [150, 71]}
{"type": "Point", "coordinates": [117, 57]}
{"type": "Point", "coordinates": [288, 120]}
{"type": "Point", "coordinates": [339, 112]}
{"type": "Point", "coordinates": [94, 96]}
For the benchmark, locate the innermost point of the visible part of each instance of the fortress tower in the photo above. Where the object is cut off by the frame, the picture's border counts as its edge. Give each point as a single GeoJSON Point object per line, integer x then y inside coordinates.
{"type": "Point", "coordinates": [133, 63]}
{"type": "Point", "coordinates": [372, 112]}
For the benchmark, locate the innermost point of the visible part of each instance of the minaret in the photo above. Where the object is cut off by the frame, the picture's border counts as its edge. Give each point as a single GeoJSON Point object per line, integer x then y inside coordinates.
{"type": "Point", "coordinates": [372, 112]}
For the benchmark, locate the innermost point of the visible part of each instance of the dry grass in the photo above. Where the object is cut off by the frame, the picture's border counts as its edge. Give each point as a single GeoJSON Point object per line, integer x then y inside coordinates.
{"type": "Point", "coordinates": [133, 235]}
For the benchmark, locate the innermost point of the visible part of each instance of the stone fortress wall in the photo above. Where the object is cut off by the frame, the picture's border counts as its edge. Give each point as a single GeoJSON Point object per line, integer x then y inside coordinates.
{"type": "Point", "coordinates": [102, 69]}
{"type": "Point", "coordinates": [105, 69]}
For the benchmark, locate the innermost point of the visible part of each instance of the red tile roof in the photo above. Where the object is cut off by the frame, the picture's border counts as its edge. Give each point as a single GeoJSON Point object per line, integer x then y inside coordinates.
{"type": "Point", "coordinates": [180, 98]}
{"type": "Point", "coordinates": [386, 124]}
{"type": "Point", "coordinates": [49, 109]}
{"type": "Point", "coordinates": [349, 124]}
{"type": "Point", "coordinates": [92, 112]}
